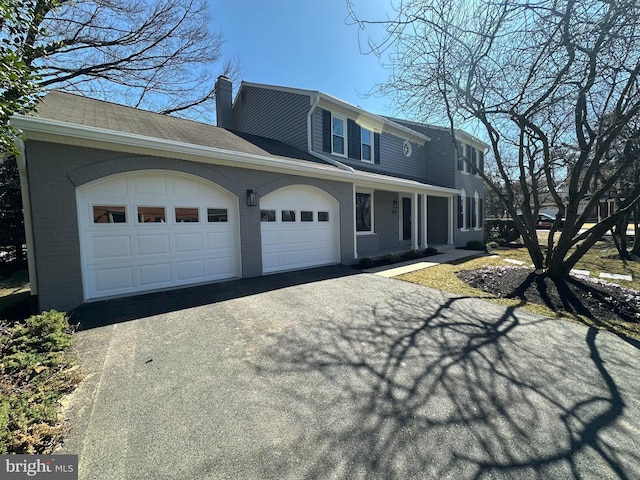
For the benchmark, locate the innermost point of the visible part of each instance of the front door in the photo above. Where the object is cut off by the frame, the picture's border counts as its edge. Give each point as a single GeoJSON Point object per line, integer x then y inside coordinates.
{"type": "Point", "coordinates": [406, 219]}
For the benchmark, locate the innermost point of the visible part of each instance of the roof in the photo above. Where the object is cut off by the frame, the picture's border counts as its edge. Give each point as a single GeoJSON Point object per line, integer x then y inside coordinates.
{"type": "Point", "coordinates": [76, 120]}
{"type": "Point", "coordinates": [93, 113]}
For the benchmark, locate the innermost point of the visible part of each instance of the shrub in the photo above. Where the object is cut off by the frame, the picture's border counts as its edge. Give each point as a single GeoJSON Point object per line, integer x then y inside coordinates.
{"type": "Point", "coordinates": [476, 245]}
{"type": "Point", "coordinates": [413, 254]}
{"type": "Point", "coordinates": [391, 258]}
{"type": "Point", "coordinates": [492, 245]}
{"type": "Point", "coordinates": [429, 251]}
{"type": "Point", "coordinates": [365, 262]}
{"type": "Point", "coordinates": [501, 230]}
{"type": "Point", "coordinates": [36, 370]}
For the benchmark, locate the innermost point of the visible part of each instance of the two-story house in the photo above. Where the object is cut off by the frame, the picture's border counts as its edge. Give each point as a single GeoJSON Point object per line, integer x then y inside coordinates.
{"type": "Point", "coordinates": [120, 201]}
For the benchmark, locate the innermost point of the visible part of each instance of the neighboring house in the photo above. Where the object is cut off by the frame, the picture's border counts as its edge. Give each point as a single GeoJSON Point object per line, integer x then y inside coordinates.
{"type": "Point", "coordinates": [120, 201]}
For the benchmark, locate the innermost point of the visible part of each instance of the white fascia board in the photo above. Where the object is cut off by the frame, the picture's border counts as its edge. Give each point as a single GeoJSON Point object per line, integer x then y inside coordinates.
{"type": "Point", "coordinates": [72, 134]}
{"type": "Point", "coordinates": [369, 120]}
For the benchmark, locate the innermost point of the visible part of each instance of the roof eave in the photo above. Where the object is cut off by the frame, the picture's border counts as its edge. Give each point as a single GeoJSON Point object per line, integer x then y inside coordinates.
{"type": "Point", "coordinates": [48, 130]}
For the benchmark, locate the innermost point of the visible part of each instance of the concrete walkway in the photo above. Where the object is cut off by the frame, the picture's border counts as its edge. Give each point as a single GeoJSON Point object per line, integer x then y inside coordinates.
{"type": "Point", "coordinates": [389, 271]}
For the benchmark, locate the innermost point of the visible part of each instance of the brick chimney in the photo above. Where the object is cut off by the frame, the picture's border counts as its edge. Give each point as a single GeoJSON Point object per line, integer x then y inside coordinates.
{"type": "Point", "coordinates": [224, 100]}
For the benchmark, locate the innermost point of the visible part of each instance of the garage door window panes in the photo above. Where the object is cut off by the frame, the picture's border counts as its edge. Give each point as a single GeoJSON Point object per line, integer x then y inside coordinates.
{"type": "Point", "coordinates": [323, 216]}
{"type": "Point", "coordinates": [151, 215]}
{"type": "Point", "coordinates": [187, 215]}
{"type": "Point", "coordinates": [109, 214]}
{"type": "Point", "coordinates": [306, 216]}
{"type": "Point", "coordinates": [267, 215]}
{"type": "Point", "coordinates": [288, 215]}
{"type": "Point", "coordinates": [215, 215]}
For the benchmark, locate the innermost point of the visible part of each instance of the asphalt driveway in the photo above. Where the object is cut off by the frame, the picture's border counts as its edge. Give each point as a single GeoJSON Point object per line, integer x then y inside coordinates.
{"type": "Point", "coordinates": [348, 376]}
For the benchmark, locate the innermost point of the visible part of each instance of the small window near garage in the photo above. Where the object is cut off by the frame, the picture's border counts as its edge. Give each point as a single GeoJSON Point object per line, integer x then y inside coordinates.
{"type": "Point", "coordinates": [109, 214]}
{"type": "Point", "coordinates": [267, 215]}
{"type": "Point", "coordinates": [323, 216]}
{"type": "Point", "coordinates": [215, 215]}
{"type": "Point", "coordinates": [288, 215]}
{"type": "Point", "coordinates": [151, 215]}
{"type": "Point", "coordinates": [306, 216]}
{"type": "Point", "coordinates": [187, 215]}
{"type": "Point", "coordinates": [363, 212]}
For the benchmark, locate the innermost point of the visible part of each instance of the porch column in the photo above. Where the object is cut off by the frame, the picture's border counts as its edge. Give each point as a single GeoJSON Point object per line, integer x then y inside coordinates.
{"type": "Point", "coordinates": [414, 221]}
{"type": "Point", "coordinates": [425, 244]}
{"type": "Point", "coordinates": [452, 219]}
{"type": "Point", "coordinates": [355, 230]}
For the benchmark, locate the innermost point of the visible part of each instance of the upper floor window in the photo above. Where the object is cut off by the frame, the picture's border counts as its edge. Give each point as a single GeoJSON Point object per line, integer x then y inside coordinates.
{"type": "Point", "coordinates": [344, 137]}
{"type": "Point", "coordinates": [337, 136]}
{"type": "Point", "coordinates": [473, 155]}
{"type": "Point", "coordinates": [366, 148]}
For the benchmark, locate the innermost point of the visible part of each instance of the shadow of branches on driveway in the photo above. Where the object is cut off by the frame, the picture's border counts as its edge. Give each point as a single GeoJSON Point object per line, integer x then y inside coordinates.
{"type": "Point", "coordinates": [424, 387]}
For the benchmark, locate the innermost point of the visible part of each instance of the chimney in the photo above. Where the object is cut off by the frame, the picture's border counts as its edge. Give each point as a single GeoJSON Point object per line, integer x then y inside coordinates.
{"type": "Point", "coordinates": [224, 115]}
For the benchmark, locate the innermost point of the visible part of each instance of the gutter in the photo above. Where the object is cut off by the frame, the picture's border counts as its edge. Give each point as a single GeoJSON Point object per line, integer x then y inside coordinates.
{"type": "Point", "coordinates": [315, 100]}
{"type": "Point", "coordinates": [21, 160]}
{"type": "Point", "coordinates": [187, 151]}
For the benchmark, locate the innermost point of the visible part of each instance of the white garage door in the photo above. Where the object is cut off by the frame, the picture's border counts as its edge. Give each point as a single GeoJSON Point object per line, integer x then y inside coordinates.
{"type": "Point", "coordinates": [300, 228]}
{"type": "Point", "coordinates": [152, 230]}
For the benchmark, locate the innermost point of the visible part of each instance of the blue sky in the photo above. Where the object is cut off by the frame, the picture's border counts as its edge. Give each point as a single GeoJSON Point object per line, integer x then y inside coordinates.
{"type": "Point", "coordinates": [302, 44]}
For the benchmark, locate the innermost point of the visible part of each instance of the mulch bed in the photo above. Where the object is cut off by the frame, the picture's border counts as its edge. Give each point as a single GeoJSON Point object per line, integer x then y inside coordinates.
{"type": "Point", "coordinates": [590, 297]}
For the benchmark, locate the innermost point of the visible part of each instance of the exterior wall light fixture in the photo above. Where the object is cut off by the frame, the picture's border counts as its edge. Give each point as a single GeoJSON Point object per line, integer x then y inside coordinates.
{"type": "Point", "coordinates": [252, 198]}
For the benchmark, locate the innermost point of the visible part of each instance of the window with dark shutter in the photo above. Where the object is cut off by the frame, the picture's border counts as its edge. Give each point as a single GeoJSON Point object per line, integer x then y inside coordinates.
{"type": "Point", "coordinates": [460, 212]}
{"type": "Point", "coordinates": [467, 167]}
{"type": "Point", "coordinates": [376, 147]}
{"type": "Point", "coordinates": [326, 131]}
{"type": "Point", "coordinates": [481, 212]}
{"type": "Point", "coordinates": [481, 161]}
{"type": "Point", "coordinates": [459, 154]}
{"type": "Point", "coordinates": [467, 216]}
{"type": "Point", "coordinates": [474, 160]}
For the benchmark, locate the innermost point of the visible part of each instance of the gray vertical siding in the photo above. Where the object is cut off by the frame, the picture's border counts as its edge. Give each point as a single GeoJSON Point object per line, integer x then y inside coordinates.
{"type": "Point", "coordinates": [273, 114]}
{"type": "Point", "coordinates": [55, 171]}
{"type": "Point", "coordinates": [392, 159]}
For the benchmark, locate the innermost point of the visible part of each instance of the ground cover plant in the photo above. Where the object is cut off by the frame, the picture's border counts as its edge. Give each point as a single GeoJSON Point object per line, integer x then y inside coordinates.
{"type": "Point", "coordinates": [37, 368]}
{"type": "Point", "coordinates": [589, 300]}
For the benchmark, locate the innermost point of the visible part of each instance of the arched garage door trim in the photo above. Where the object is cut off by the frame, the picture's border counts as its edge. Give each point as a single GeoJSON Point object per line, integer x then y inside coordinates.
{"type": "Point", "coordinates": [300, 228]}
{"type": "Point", "coordinates": [153, 230]}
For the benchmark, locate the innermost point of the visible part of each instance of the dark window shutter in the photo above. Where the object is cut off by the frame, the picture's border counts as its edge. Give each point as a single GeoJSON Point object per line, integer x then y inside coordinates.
{"type": "Point", "coordinates": [376, 147]}
{"type": "Point", "coordinates": [481, 212]}
{"type": "Point", "coordinates": [481, 161]}
{"type": "Point", "coordinates": [474, 160]}
{"type": "Point", "coordinates": [353, 139]}
{"type": "Point", "coordinates": [467, 219]}
{"type": "Point", "coordinates": [474, 219]}
{"type": "Point", "coordinates": [460, 212]}
{"type": "Point", "coordinates": [326, 131]}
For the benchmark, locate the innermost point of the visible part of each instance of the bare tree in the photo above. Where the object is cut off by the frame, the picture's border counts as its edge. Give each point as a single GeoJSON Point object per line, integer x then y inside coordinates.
{"type": "Point", "coordinates": [154, 54]}
{"type": "Point", "coordinates": [536, 77]}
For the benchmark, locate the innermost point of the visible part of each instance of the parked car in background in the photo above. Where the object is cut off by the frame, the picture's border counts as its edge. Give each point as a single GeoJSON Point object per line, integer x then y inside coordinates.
{"type": "Point", "coordinates": [544, 221]}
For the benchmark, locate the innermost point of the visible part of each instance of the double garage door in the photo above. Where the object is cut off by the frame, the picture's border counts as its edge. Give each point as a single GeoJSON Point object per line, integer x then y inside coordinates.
{"type": "Point", "coordinates": [154, 230]}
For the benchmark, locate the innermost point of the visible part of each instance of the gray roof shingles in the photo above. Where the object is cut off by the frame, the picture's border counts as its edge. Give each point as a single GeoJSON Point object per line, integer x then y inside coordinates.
{"type": "Point", "coordinates": [89, 112]}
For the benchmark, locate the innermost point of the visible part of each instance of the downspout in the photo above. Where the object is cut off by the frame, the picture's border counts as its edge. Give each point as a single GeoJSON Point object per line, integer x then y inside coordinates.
{"type": "Point", "coordinates": [314, 104]}
{"type": "Point", "coordinates": [21, 160]}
